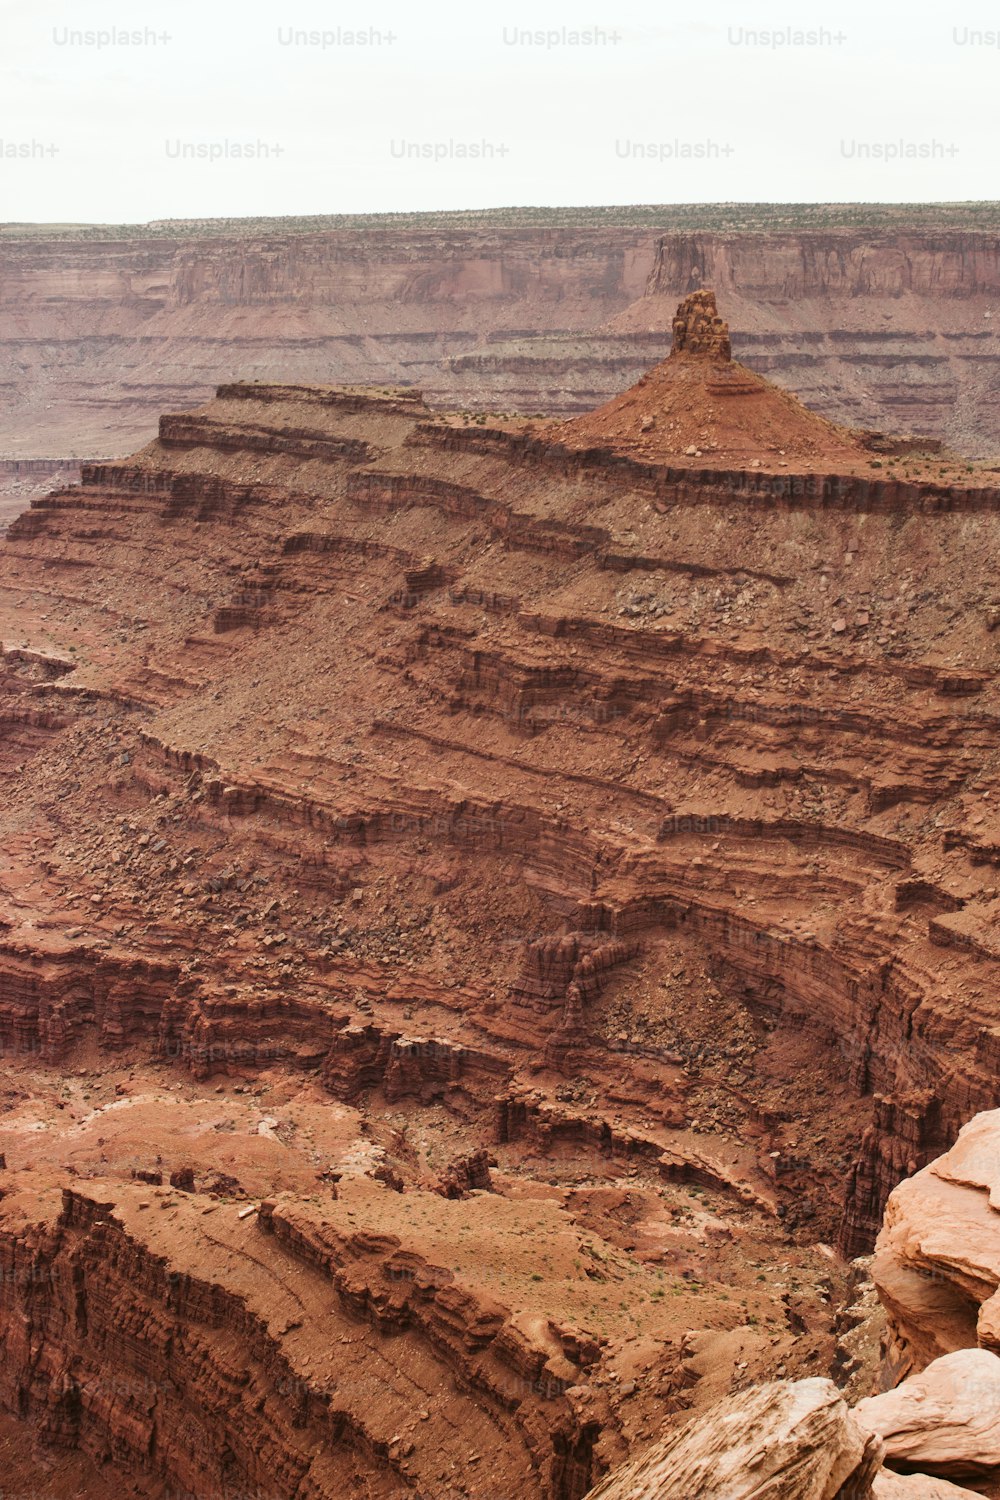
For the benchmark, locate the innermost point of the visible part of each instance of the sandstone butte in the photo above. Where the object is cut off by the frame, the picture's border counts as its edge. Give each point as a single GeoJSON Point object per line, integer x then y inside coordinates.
{"type": "Point", "coordinates": [489, 912]}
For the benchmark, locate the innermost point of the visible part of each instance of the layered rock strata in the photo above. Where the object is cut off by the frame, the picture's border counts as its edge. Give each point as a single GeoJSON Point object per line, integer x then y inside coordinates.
{"type": "Point", "coordinates": [885, 326]}
{"type": "Point", "coordinates": [508, 905]}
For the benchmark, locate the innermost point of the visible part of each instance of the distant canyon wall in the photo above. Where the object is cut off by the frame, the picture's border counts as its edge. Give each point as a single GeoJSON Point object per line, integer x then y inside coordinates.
{"type": "Point", "coordinates": [98, 337]}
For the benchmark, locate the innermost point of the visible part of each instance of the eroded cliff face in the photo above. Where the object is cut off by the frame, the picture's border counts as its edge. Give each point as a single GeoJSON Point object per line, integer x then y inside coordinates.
{"type": "Point", "coordinates": [481, 918]}
{"type": "Point", "coordinates": [21, 480]}
{"type": "Point", "coordinates": [99, 337]}
{"type": "Point", "coordinates": [885, 329]}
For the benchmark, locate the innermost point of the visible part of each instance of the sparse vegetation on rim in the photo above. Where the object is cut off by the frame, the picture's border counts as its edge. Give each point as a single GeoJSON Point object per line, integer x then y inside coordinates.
{"type": "Point", "coordinates": [746, 218]}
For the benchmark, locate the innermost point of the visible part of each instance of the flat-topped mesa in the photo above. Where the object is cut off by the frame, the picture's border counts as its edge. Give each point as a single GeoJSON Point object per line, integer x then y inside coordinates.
{"type": "Point", "coordinates": [698, 329]}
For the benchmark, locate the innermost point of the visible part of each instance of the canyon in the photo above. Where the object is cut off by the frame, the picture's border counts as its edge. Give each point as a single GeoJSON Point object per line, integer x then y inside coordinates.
{"type": "Point", "coordinates": [882, 319]}
{"type": "Point", "coordinates": [490, 910]}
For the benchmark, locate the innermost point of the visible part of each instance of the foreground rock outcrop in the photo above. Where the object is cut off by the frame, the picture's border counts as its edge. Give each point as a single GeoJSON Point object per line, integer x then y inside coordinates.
{"type": "Point", "coordinates": [937, 1260]}
{"type": "Point", "coordinates": [780, 1442]}
{"type": "Point", "coordinates": [945, 1420]}
{"type": "Point", "coordinates": [890, 1486]}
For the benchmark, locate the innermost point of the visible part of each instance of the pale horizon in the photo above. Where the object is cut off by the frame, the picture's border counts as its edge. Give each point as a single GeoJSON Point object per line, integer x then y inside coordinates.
{"type": "Point", "coordinates": [179, 112]}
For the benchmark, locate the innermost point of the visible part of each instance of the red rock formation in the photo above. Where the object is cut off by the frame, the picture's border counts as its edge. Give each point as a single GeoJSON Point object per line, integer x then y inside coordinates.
{"type": "Point", "coordinates": [207, 1385]}
{"type": "Point", "coordinates": [530, 804]}
{"type": "Point", "coordinates": [780, 1442]}
{"type": "Point", "coordinates": [882, 326]}
{"type": "Point", "coordinates": [698, 329]}
{"type": "Point", "coordinates": [946, 1420]}
{"type": "Point", "coordinates": [468, 1174]}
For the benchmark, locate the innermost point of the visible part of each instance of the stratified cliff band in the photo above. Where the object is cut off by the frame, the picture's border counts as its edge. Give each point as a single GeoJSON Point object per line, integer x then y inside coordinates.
{"type": "Point", "coordinates": [488, 913]}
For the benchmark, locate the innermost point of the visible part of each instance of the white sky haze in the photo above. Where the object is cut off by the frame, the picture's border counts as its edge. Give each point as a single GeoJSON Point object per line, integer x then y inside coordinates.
{"type": "Point", "coordinates": [451, 106]}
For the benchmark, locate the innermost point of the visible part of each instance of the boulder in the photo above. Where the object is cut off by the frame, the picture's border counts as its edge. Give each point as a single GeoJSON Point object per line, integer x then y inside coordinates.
{"type": "Point", "coordinates": [783, 1441]}
{"type": "Point", "coordinates": [890, 1486]}
{"type": "Point", "coordinates": [937, 1258]}
{"type": "Point", "coordinates": [946, 1420]}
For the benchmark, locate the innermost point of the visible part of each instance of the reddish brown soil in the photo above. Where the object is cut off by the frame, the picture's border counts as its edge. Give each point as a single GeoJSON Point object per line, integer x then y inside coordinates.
{"type": "Point", "coordinates": [704, 408]}
{"type": "Point", "coordinates": [601, 856]}
{"type": "Point", "coordinates": [723, 410]}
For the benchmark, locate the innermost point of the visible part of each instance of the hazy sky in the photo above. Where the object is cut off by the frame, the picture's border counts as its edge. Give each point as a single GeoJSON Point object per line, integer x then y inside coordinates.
{"type": "Point", "coordinates": [452, 106]}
